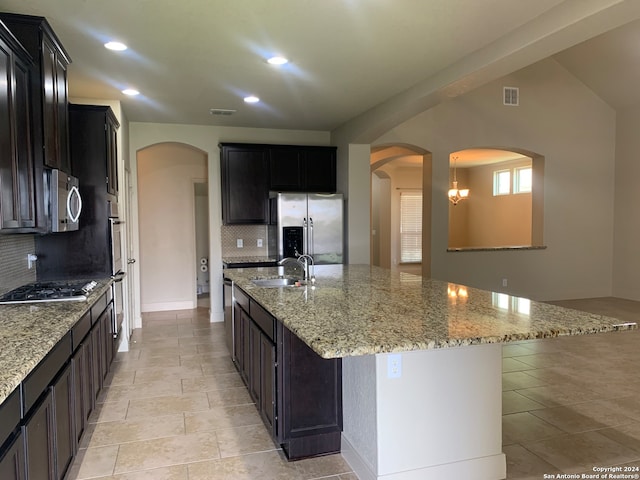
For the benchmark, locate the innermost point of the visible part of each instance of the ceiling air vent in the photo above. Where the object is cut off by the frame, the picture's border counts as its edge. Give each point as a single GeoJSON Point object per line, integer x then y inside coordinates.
{"type": "Point", "coordinates": [222, 111]}
{"type": "Point", "coordinates": [511, 96]}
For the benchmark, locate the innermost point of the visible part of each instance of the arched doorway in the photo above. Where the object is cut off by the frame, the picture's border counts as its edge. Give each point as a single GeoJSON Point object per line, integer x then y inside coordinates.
{"type": "Point", "coordinates": [400, 177]}
{"type": "Point", "coordinates": [168, 259]}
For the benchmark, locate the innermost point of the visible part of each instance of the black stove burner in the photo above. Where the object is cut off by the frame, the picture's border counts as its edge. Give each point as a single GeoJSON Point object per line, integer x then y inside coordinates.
{"type": "Point", "coordinates": [49, 292]}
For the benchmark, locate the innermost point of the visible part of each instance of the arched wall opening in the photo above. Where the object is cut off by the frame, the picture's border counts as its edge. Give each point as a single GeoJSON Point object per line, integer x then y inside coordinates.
{"type": "Point", "coordinates": [500, 211]}
{"type": "Point", "coordinates": [395, 169]}
{"type": "Point", "coordinates": [166, 174]}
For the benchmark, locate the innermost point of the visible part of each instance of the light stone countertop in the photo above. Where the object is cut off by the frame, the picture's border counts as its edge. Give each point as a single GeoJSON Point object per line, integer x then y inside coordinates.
{"type": "Point", "coordinates": [28, 332]}
{"type": "Point", "coordinates": [361, 310]}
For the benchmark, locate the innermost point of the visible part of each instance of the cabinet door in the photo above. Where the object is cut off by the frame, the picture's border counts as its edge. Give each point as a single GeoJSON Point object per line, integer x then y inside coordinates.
{"type": "Point", "coordinates": [49, 105]}
{"type": "Point", "coordinates": [268, 406]}
{"type": "Point", "coordinates": [112, 159]}
{"type": "Point", "coordinates": [17, 191]}
{"type": "Point", "coordinates": [237, 336]}
{"type": "Point", "coordinates": [62, 115]}
{"type": "Point", "coordinates": [39, 436]}
{"type": "Point", "coordinates": [63, 394]}
{"type": "Point", "coordinates": [286, 170]}
{"type": "Point", "coordinates": [246, 346]}
{"type": "Point", "coordinates": [96, 364]}
{"type": "Point", "coordinates": [12, 464]}
{"type": "Point", "coordinates": [245, 185]}
{"type": "Point", "coordinates": [23, 152]}
{"type": "Point", "coordinates": [106, 328]}
{"type": "Point", "coordinates": [320, 170]}
{"type": "Point", "coordinates": [82, 388]}
{"type": "Point", "coordinates": [254, 359]}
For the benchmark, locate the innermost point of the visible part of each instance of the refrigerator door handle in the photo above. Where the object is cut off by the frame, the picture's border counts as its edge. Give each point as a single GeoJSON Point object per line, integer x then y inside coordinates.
{"type": "Point", "coordinates": [310, 238]}
{"type": "Point", "coordinates": [305, 236]}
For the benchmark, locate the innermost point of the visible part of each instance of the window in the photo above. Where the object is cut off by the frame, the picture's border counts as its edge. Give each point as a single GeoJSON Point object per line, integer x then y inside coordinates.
{"type": "Point", "coordinates": [522, 180]}
{"type": "Point", "coordinates": [501, 182]}
{"type": "Point", "coordinates": [410, 227]}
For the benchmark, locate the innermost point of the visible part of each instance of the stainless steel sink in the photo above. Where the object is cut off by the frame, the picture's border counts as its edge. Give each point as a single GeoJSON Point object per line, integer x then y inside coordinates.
{"type": "Point", "coordinates": [275, 282]}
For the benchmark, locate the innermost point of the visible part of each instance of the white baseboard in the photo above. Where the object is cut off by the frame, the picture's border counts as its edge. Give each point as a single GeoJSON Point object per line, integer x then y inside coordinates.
{"type": "Point", "coordinates": [163, 307]}
{"type": "Point", "coordinates": [492, 467]}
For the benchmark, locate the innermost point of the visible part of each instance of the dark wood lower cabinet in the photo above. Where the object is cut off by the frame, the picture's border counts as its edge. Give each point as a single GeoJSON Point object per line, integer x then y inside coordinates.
{"type": "Point", "coordinates": [42, 421]}
{"type": "Point", "coordinates": [268, 384]}
{"type": "Point", "coordinates": [84, 399]}
{"type": "Point", "coordinates": [12, 466]}
{"type": "Point", "coordinates": [107, 347]}
{"type": "Point", "coordinates": [63, 397]}
{"type": "Point", "coordinates": [309, 398]}
{"type": "Point", "coordinates": [297, 393]}
{"type": "Point", "coordinates": [39, 435]}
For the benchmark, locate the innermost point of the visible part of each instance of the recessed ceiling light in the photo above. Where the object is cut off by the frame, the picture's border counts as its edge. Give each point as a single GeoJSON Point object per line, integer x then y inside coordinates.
{"type": "Point", "coordinates": [251, 99]}
{"type": "Point", "coordinates": [117, 46]}
{"type": "Point", "coordinates": [277, 60]}
{"type": "Point", "coordinates": [132, 92]}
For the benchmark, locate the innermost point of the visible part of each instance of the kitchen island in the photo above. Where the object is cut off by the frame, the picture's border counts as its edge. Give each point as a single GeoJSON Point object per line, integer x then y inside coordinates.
{"type": "Point", "coordinates": [413, 407]}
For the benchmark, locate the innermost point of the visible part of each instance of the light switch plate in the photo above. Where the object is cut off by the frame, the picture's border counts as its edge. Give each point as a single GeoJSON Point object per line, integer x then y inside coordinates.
{"type": "Point", "coordinates": [239, 243]}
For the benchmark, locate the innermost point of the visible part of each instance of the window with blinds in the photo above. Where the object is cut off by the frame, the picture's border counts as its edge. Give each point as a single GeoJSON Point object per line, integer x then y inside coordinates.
{"type": "Point", "coordinates": [410, 227]}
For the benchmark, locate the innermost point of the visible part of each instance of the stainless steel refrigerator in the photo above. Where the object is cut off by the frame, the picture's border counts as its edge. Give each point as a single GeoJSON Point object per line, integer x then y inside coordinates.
{"type": "Point", "coordinates": [310, 223]}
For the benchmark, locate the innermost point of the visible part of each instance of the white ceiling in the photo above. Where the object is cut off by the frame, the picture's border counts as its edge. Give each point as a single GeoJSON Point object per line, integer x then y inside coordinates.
{"type": "Point", "coordinates": [347, 56]}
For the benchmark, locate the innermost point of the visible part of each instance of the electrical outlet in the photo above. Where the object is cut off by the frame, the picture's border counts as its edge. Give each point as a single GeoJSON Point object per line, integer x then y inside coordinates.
{"type": "Point", "coordinates": [394, 366]}
{"type": "Point", "coordinates": [505, 282]}
{"type": "Point", "coordinates": [259, 243]}
{"type": "Point", "coordinates": [239, 243]}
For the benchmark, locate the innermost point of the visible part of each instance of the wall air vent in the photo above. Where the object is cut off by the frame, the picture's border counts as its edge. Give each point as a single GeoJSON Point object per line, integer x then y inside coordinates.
{"type": "Point", "coordinates": [511, 96]}
{"type": "Point", "coordinates": [222, 111]}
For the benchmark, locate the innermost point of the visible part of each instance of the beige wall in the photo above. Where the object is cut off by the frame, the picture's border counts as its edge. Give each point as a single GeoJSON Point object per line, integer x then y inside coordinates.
{"type": "Point", "coordinates": [561, 119]}
{"type": "Point", "coordinates": [166, 210]}
{"type": "Point", "coordinates": [626, 257]}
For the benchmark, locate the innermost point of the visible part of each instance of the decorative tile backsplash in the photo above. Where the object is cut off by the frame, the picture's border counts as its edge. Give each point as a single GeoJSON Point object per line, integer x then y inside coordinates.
{"type": "Point", "coordinates": [13, 261]}
{"type": "Point", "coordinates": [249, 234]}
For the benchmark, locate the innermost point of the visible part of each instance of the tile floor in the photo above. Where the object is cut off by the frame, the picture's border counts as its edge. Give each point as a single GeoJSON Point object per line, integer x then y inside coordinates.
{"type": "Point", "coordinates": [175, 408]}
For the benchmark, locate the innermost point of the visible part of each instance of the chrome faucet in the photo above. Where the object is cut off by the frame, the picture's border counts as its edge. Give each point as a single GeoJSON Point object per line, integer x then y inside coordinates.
{"type": "Point", "coordinates": [301, 260]}
{"type": "Point", "coordinates": [307, 263]}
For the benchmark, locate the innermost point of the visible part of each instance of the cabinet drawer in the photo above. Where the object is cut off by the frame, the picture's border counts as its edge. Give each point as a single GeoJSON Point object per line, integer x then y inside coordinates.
{"type": "Point", "coordinates": [80, 330]}
{"type": "Point", "coordinates": [263, 319]}
{"type": "Point", "coordinates": [98, 308]}
{"type": "Point", "coordinates": [9, 415]}
{"type": "Point", "coordinates": [41, 377]}
{"type": "Point", "coordinates": [241, 298]}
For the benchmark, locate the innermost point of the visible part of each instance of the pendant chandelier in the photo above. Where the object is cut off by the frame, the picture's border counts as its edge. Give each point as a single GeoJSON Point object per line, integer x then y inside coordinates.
{"type": "Point", "coordinates": [455, 194]}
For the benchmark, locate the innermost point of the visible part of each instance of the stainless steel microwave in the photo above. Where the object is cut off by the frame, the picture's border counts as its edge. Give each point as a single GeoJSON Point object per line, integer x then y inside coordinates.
{"type": "Point", "coordinates": [62, 200]}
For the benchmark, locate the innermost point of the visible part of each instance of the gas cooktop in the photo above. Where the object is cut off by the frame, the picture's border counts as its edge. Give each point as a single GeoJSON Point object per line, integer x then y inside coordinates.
{"type": "Point", "coordinates": [49, 292]}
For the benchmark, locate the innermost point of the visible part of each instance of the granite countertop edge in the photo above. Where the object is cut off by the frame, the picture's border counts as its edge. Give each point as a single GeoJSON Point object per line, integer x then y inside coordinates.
{"type": "Point", "coordinates": [355, 310]}
{"type": "Point", "coordinates": [28, 332]}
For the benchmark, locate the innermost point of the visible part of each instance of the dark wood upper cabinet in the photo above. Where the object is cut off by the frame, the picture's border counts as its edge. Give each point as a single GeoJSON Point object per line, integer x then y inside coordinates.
{"type": "Point", "coordinates": [245, 184]}
{"type": "Point", "coordinates": [302, 169]}
{"type": "Point", "coordinates": [250, 171]}
{"type": "Point", "coordinates": [18, 193]}
{"type": "Point", "coordinates": [49, 89]}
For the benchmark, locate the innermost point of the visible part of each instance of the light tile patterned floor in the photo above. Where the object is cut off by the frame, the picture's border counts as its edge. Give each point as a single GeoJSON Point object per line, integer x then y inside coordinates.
{"type": "Point", "coordinates": [572, 404]}
{"type": "Point", "coordinates": [175, 408]}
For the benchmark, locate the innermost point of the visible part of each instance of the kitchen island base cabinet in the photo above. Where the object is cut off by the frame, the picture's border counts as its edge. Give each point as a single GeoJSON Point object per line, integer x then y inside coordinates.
{"type": "Point", "coordinates": [297, 393]}
{"type": "Point", "coordinates": [309, 398]}
{"type": "Point", "coordinates": [12, 462]}
{"type": "Point", "coordinates": [441, 418]}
